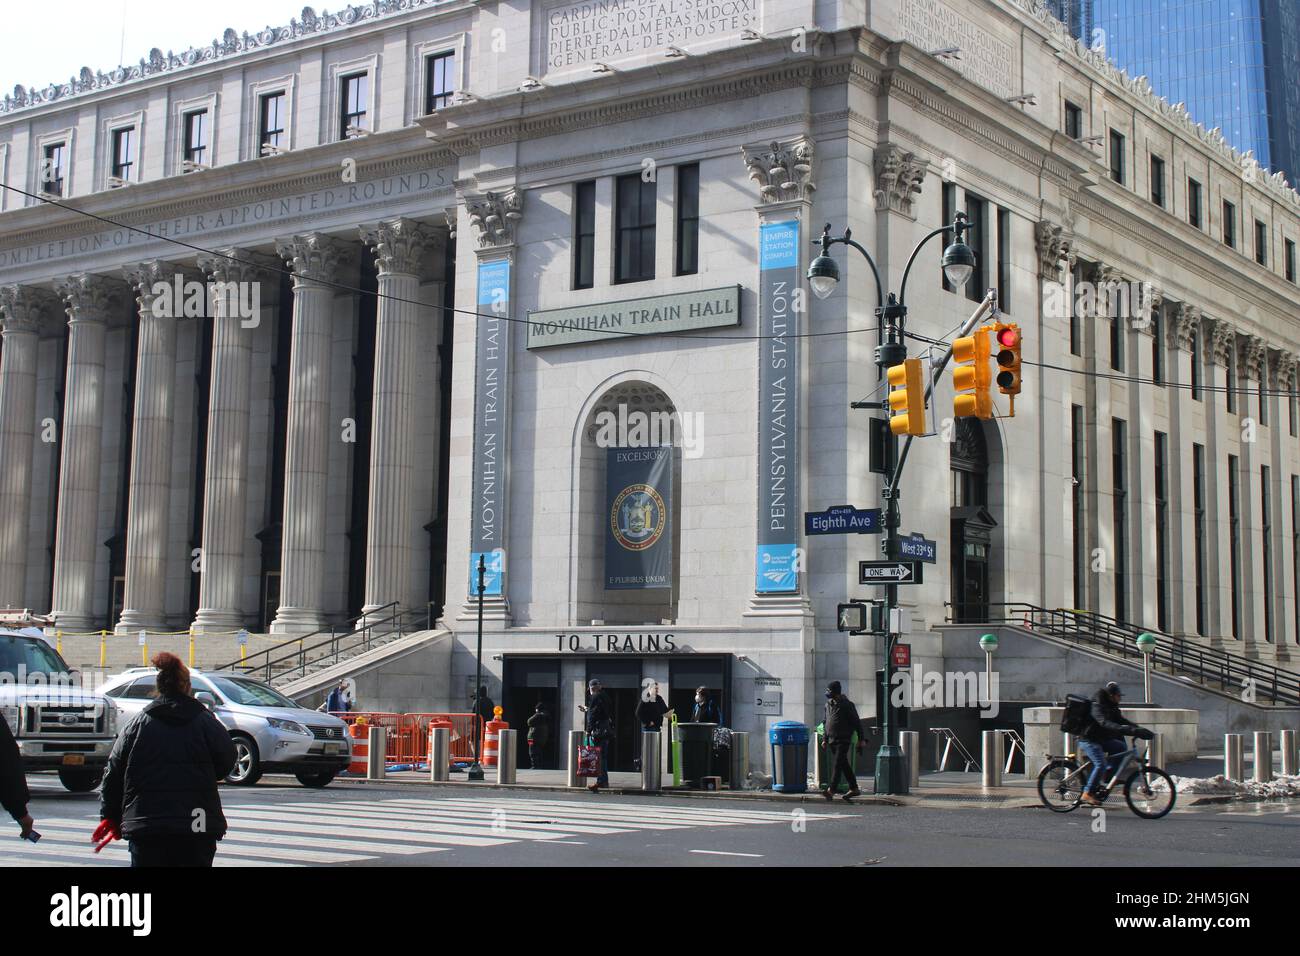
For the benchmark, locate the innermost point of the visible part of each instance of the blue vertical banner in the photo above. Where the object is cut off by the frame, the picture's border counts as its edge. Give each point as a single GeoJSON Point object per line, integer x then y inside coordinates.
{"type": "Point", "coordinates": [778, 408]}
{"type": "Point", "coordinates": [491, 426]}
{"type": "Point", "coordinates": [638, 518]}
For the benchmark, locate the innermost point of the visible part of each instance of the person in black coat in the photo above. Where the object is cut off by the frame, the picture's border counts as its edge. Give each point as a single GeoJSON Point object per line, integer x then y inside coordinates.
{"type": "Point", "coordinates": [1103, 736]}
{"type": "Point", "coordinates": [599, 725]}
{"type": "Point", "coordinates": [14, 795]}
{"type": "Point", "coordinates": [842, 722]}
{"type": "Point", "coordinates": [650, 714]}
{"type": "Point", "coordinates": [706, 710]}
{"type": "Point", "coordinates": [160, 788]}
{"type": "Point", "coordinates": [539, 735]}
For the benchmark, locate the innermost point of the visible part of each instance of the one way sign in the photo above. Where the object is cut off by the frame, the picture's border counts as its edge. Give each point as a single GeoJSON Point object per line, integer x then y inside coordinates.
{"type": "Point", "coordinates": [889, 572]}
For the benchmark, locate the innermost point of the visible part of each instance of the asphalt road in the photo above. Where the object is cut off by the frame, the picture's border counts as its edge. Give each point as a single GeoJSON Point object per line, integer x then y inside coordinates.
{"type": "Point", "coordinates": [278, 823]}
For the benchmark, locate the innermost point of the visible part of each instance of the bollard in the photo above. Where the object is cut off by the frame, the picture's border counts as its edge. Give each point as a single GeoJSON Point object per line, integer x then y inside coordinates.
{"type": "Point", "coordinates": [1071, 744]}
{"type": "Point", "coordinates": [440, 755]}
{"type": "Point", "coordinates": [651, 763]}
{"type": "Point", "coordinates": [1263, 756]}
{"type": "Point", "coordinates": [1233, 762]}
{"type": "Point", "coordinates": [575, 741]}
{"type": "Point", "coordinates": [103, 648]}
{"type": "Point", "coordinates": [1289, 754]}
{"type": "Point", "coordinates": [377, 761]}
{"type": "Point", "coordinates": [507, 756]}
{"type": "Point", "coordinates": [739, 759]}
{"type": "Point", "coordinates": [1156, 751]}
{"type": "Point", "coordinates": [992, 757]}
{"type": "Point", "coordinates": [910, 741]}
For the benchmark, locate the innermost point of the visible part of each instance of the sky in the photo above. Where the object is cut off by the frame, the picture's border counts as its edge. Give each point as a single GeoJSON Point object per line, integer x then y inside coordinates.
{"type": "Point", "coordinates": [104, 34]}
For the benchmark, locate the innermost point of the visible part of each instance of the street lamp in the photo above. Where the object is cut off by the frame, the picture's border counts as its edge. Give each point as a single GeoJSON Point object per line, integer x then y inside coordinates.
{"type": "Point", "coordinates": [476, 771]}
{"type": "Point", "coordinates": [989, 642]}
{"type": "Point", "coordinates": [1146, 643]}
{"type": "Point", "coordinates": [823, 275]}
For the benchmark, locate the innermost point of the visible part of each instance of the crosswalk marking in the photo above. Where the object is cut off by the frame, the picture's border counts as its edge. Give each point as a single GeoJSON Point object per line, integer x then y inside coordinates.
{"type": "Point", "coordinates": [297, 832]}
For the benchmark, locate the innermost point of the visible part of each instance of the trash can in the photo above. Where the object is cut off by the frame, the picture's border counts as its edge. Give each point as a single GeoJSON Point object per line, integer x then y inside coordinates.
{"type": "Point", "coordinates": [789, 740]}
{"type": "Point", "coordinates": [695, 747]}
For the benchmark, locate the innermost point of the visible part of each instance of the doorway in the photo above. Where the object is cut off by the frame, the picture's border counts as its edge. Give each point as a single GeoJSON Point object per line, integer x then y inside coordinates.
{"type": "Point", "coordinates": [621, 680]}
{"type": "Point", "coordinates": [972, 524]}
{"type": "Point", "coordinates": [526, 682]}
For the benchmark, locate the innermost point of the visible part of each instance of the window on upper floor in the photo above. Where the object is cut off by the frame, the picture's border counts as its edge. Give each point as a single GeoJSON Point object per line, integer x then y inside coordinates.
{"type": "Point", "coordinates": [977, 237]}
{"type": "Point", "coordinates": [272, 122]}
{"type": "Point", "coordinates": [1194, 203]}
{"type": "Point", "coordinates": [1261, 242]}
{"type": "Point", "coordinates": [54, 168]}
{"type": "Point", "coordinates": [1117, 156]}
{"type": "Point", "coordinates": [123, 153]}
{"type": "Point", "coordinates": [1229, 224]}
{"type": "Point", "coordinates": [354, 95]}
{"type": "Point", "coordinates": [1004, 259]}
{"type": "Point", "coordinates": [1158, 181]}
{"type": "Point", "coordinates": [634, 229]}
{"type": "Point", "coordinates": [439, 80]}
{"type": "Point", "coordinates": [688, 219]}
{"type": "Point", "coordinates": [584, 235]}
{"type": "Point", "coordinates": [196, 138]}
{"type": "Point", "coordinates": [1073, 121]}
{"type": "Point", "coordinates": [1289, 255]}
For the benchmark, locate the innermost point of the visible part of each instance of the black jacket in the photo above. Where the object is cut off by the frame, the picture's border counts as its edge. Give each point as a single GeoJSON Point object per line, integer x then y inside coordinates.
{"type": "Point", "coordinates": [539, 728]}
{"type": "Point", "coordinates": [164, 768]}
{"type": "Point", "coordinates": [842, 721]}
{"type": "Point", "coordinates": [13, 781]}
{"type": "Point", "coordinates": [707, 713]}
{"type": "Point", "coordinates": [600, 718]}
{"type": "Point", "coordinates": [650, 713]}
{"type": "Point", "coordinates": [485, 709]}
{"type": "Point", "coordinates": [1105, 722]}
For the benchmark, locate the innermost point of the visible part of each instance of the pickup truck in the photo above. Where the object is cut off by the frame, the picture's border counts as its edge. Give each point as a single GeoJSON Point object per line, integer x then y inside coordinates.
{"type": "Point", "coordinates": [58, 724]}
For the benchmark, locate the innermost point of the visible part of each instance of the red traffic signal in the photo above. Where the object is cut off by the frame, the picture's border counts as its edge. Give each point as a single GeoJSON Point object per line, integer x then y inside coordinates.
{"type": "Point", "coordinates": [1008, 359]}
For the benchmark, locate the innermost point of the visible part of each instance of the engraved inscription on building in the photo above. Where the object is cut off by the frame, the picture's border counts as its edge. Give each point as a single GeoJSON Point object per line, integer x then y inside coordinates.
{"type": "Point", "coordinates": [600, 31]}
{"type": "Point", "coordinates": [985, 59]}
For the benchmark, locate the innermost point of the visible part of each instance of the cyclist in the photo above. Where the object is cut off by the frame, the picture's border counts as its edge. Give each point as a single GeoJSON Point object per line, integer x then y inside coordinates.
{"type": "Point", "coordinates": [1103, 737]}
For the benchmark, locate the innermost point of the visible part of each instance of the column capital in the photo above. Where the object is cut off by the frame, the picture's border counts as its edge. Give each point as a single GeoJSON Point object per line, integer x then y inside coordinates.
{"type": "Point", "coordinates": [144, 277]}
{"type": "Point", "coordinates": [1254, 357]}
{"type": "Point", "coordinates": [782, 169]}
{"type": "Point", "coordinates": [899, 175]}
{"type": "Point", "coordinates": [1223, 339]}
{"type": "Point", "coordinates": [1188, 318]}
{"type": "Point", "coordinates": [1282, 369]}
{"type": "Point", "coordinates": [25, 307]}
{"type": "Point", "coordinates": [495, 216]}
{"type": "Point", "coordinates": [451, 214]}
{"type": "Point", "coordinates": [233, 264]}
{"type": "Point", "coordinates": [312, 255]}
{"type": "Point", "coordinates": [399, 245]}
{"type": "Point", "coordinates": [89, 297]}
{"type": "Point", "coordinates": [1055, 243]}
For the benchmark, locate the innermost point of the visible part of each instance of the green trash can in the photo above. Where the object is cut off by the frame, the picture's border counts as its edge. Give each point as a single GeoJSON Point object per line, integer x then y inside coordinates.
{"type": "Point", "coordinates": [826, 764]}
{"type": "Point", "coordinates": [695, 754]}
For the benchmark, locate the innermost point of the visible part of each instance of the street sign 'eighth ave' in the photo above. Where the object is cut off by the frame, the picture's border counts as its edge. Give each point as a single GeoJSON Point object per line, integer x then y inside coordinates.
{"type": "Point", "coordinates": [889, 572]}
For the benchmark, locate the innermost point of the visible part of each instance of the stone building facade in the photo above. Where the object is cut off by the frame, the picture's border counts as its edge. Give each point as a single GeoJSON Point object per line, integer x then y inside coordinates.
{"type": "Point", "coordinates": [577, 160]}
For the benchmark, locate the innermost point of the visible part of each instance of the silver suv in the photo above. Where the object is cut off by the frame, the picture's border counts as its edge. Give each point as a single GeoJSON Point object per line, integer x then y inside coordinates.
{"type": "Point", "coordinates": [271, 733]}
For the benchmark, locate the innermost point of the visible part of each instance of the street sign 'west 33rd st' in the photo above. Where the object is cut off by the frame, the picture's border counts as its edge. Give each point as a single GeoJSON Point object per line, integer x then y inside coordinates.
{"type": "Point", "coordinates": [889, 572]}
{"type": "Point", "coordinates": [843, 519]}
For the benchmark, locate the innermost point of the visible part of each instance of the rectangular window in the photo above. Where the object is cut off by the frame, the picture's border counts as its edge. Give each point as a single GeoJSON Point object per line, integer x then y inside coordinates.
{"type": "Point", "coordinates": [271, 123]}
{"type": "Point", "coordinates": [1266, 550]}
{"type": "Point", "coordinates": [1119, 468]}
{"type": "Point", "coordinates": [1229, 224]}
{"type": "Point", "coordinates": [1230, 380]}
{"type": "Point", "coordinates": [1196, 365]}
{"type": "Point", "coordinates": [1290, 260]}
{"type": "Point", "coordinates": [439, 81]}
{"type": "Point", "coordinates": [1234, 543]}
{"type": "Point", "coordinates": [123, 152]}
{"type": "Point", "coordinates": [584, 235]}
{"type": "Point", "coordinates": [949, 202]}
{"type": "Point", "coordinates": [688, 219]}
{"type": "Point", "coordinates": [196, 137]}
{"type": "Point", "coordinates": [1263, 403]}
{"type": "Point", "coordinates": [354, 96]}
{"type": "Point", "coordinates": [1158, 181]}
{"type": "Point", "coordinates": [1162, 531]}
{"type": "Point", "coordinates": [1291, 411]}
{"type": "Point", "coordinates": [1198, 532]}
{"type": "Point", "coordinates": [1117, 343]}
{"type": "Point", "coordinates": [1073, 121]}
{"type": "Point", "coordinates": [1295, 548]}
{"type": "Point", "coordinates": [977, 237]}
{"type": "Point", "coordinates": [1157, 347]}
{"type": "Point", "coordinates": [1194, 203]}
{"type": "Point", "coordinates": [1076, 320]}
{"type": "Point", "coordinates": [634, 228]}
{"type": "Point", "coordinates": [1117, 157]}
{"type": "Point", "coordinates": [1004, 260]}
{"type": "Point", "coordinates": [1261, 242]}
{"type": "Point", "coordinates": [1077, 463]}
{"type": "Point", "coordinates": [53, 169]}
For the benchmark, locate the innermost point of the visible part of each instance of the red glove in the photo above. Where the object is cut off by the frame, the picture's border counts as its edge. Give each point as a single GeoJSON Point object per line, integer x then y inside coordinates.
{"type": "Point", "coordinates": [105, 833]}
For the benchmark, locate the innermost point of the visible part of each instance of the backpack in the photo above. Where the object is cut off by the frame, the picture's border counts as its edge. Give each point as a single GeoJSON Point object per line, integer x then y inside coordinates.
{"type": "Point", "coordinates": [1077, 711]}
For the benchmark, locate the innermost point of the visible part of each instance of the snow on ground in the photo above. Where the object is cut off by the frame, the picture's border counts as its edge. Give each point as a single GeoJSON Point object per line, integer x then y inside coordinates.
{"type": "Point", "coordinates": [1219, 785]}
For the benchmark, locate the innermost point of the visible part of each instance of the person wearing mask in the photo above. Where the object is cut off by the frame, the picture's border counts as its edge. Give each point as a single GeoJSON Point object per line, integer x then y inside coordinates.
{"type": "Point", "coordinates": [842, 722]}
{"type": "Point", "coordinates": [706, 710]}
{"type": "Point", "coordinates": [539, 734]}
{"type": "Point", "coordinates": [599, 725]}
{"type": "Point", "coordinates": [160, 787]}
{"type": "Point", "coordinates": [14, 795]}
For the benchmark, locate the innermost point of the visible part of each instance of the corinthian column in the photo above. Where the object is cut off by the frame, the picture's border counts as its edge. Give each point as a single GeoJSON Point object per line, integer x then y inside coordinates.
{"type": "Point", "coordinates": [149, 487]}
{"type": "Point", "coordinates": [225, 476]}
{"type": "Point", "coordinates": [398, 245]}
{"type": "Point", "coordinates": [90, 300]}
{"type": "Point", "coordinates": [24, 308]}
{"type": "Point", "coordinates": [313, 257]}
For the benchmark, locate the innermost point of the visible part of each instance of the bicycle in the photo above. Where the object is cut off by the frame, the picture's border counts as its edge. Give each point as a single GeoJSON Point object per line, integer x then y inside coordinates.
{"type": "Point", "coordinates": [1149, 791]}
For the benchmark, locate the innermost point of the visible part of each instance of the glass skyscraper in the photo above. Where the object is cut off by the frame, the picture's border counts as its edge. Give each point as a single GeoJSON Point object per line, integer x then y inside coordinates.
{"type": "Point", "coordinates": [1234, 63]}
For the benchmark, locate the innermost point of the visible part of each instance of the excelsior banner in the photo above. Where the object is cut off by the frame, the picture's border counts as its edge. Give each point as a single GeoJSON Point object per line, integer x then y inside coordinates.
{"type": "Point", "coordinates": [638, 518]}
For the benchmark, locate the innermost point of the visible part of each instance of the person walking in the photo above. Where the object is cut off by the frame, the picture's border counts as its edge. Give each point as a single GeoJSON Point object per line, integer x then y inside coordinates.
{"type": "Point", "coordinates": [599, 725]}
{"type": "Point", "coordinates": [14, 795]}
{"type": "Point", "coordinates": [842, 722]}
{"type": "Point", "coordinates": [539, 734]}
{"type": "Point", "coordinates": [160, 787]}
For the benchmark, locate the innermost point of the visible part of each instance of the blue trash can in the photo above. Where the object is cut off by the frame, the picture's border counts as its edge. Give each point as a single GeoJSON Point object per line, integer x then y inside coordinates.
{"type": "Point", "coordinates": [789, 740]}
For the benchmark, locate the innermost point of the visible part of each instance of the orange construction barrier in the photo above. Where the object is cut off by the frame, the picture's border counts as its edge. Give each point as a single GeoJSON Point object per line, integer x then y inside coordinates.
{"type": "Point", "coordinates": [492, 740]}
{"type": "Point", "coordinates": [360, 748]}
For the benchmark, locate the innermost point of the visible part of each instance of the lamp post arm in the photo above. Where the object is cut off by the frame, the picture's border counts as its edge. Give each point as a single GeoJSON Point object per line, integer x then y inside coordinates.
{"type": "Point", "coordinates": [880, 289]}
{"type": "Point", "coordinates": [902, 289]}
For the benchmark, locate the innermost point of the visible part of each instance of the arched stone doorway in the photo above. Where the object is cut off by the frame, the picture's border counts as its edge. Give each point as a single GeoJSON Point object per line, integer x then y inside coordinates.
{"type": "Point", "coordinates": [975, 577]}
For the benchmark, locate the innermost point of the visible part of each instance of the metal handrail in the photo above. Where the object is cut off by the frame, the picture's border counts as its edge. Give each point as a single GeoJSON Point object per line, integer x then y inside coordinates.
{"type": "Point", "coordinates": [1178, 655]}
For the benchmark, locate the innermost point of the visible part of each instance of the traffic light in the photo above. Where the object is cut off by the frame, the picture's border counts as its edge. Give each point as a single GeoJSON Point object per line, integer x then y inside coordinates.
{"type": "Point", "coordinates": [972, 377]}
{"type": "Point", "coordinates": [1008, 337]}
{"type": "Point", "coordinates": [907, 398]}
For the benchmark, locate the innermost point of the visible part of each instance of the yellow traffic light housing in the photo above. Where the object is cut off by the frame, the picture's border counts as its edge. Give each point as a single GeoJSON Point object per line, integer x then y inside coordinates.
{"type": "Point", "coordinates": [907, 398]}
{"type": "Point", "coordinates": [972, 376]}
{"type": "Point", "coordinates": [1009, 342]}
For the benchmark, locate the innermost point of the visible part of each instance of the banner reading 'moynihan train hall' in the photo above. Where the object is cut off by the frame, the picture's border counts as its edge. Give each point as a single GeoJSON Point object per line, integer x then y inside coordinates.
{"type": "Point", "coordinates": [638, 518]}
{"type": "Point", "coordinates": [491, 407]}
